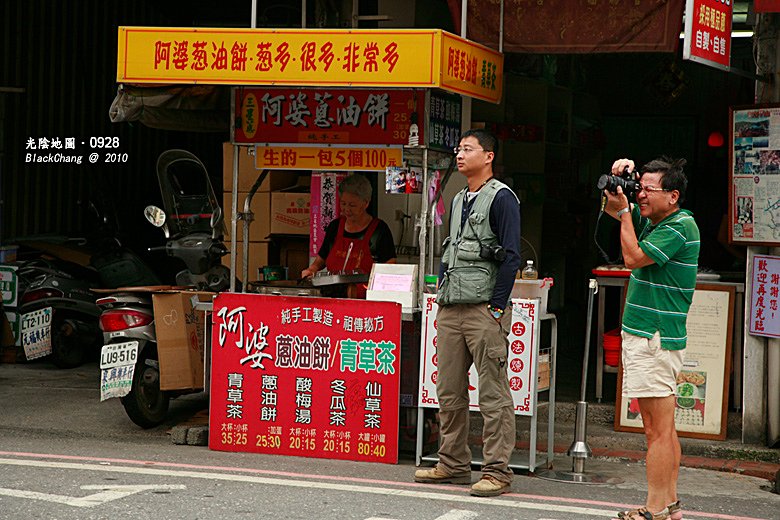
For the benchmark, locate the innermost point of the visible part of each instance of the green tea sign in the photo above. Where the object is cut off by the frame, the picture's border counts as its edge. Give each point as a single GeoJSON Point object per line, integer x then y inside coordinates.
{"type": "Point", "coordinates": [9, 285]}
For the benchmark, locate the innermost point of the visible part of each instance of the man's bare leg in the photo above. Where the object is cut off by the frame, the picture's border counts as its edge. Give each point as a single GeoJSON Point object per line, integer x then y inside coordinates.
{"type": "Point", "coordinates": [663, 451]}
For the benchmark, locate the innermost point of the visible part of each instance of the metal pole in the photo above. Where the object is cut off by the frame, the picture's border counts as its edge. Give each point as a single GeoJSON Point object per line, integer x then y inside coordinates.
{"type": "Point", "coordinates": [501, 28]}
{"type": "Point", "coordinates": [253, 23]}
{"type": "Point", "coordinates": [464, 5]}
{"type": "Point", "coordinates": [579, 449]}
{"type": "Point", "coordinates": [303, 14]}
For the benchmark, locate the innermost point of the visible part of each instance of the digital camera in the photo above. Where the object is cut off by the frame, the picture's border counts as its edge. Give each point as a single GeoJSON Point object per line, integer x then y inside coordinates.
{"type": "Point", "coordinates": [495, 253]}
{"type": "Point", "coordinates": [625, 180]}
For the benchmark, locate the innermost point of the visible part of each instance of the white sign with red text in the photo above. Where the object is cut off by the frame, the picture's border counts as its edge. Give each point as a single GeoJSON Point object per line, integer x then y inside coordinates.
{"type": "Point", "coordinates": [521, 362]}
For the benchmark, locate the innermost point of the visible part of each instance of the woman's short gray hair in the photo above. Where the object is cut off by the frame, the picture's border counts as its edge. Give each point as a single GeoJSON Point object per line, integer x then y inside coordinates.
{"type": "Point", "coordinates": [356, 185]}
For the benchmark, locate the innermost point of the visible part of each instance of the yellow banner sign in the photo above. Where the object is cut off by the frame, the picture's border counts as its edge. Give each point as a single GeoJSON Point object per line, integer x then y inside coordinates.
{"type": "Point", "coordinates": [309, 57]}
{"type": "Point", "coordinates": [327, 158]}
{"type": "Point", "coordinates": [471, 69]}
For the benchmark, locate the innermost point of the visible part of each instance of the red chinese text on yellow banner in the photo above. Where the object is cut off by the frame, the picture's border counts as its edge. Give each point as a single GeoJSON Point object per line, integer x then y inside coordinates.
{"type": "Point", "coordinates": [471, 69]}
{"type": "Point", "coordinates": [329, 158]}
{"type": "Point", "coordinates": [309, 57]}
{"type": "Point", "coordinates": [285, 57]}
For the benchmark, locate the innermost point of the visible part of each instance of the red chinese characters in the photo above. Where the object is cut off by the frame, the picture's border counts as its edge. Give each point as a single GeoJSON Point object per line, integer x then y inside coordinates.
{"type": "Point", "coordinates": [764, 318]}
{"type": "Point", "coordinates": [305, 376]}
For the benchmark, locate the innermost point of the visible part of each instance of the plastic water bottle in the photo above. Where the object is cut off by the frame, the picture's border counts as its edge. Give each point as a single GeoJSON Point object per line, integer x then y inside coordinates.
{"type": "Point", "coordinates": [529, 271]}
{"type": "Point", "coordinates": [431, 281]}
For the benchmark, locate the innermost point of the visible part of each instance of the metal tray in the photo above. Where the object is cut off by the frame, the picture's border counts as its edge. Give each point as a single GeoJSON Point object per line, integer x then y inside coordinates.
{"type": "Point", "coordinates": [338, 279]}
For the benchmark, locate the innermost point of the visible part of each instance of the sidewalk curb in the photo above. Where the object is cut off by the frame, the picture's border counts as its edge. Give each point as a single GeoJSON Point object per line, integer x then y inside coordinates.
{"type": "Point", "coordinates": [764, 470]}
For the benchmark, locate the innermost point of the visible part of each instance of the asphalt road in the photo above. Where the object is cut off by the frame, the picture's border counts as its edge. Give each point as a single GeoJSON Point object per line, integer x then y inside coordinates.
{"type": "Point", "coordinates": [64, 455]}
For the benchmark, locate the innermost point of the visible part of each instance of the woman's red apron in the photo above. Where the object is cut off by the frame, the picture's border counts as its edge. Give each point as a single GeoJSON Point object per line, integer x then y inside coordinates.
{"type": "Point", "coordinates": [354, 251]}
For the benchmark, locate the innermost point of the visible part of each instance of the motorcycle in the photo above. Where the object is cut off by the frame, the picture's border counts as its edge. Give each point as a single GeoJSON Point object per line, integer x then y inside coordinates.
{"type": "Point", "coordinates": [63, 278]}
{"type": "Point", "coordinates": [192, 224]}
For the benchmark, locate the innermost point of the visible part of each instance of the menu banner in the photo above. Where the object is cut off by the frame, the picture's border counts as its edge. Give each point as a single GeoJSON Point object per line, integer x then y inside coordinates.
{"type": "Point", "coordinates": [325, 116]}
{"type": "Point", "coordinates": [311, 377]}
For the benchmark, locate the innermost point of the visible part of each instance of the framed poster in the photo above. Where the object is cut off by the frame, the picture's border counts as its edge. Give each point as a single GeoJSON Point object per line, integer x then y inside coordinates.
{"type": "Point", "coordinates": [310, 377]}
{"type": "Point", "coordinates": [754, 175]}
{"type": "Point", "coordinates": [701, 401]}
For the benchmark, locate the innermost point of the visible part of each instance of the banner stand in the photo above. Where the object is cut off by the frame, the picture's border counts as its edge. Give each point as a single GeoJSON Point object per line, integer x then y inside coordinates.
{"type": "Point", "coordinates": [524, 313]}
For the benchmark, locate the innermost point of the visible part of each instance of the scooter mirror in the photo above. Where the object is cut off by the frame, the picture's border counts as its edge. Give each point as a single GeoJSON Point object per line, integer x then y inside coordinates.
{"type": "Point", "coordinates": [216, 217]}
{"type": "Point", "coordinates": [155, 215]}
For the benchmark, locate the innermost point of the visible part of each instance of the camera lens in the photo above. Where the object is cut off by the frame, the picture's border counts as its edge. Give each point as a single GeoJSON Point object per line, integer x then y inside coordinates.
{"type": "Point", "coordinates": [606, 182]}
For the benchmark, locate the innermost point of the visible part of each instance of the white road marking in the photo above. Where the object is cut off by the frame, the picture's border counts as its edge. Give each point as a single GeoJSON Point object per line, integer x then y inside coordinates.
{"type": "Point", "coordinates": [458, 514]}
{"type": "Point", "coordinates": [453, 514]}
{"type": "Point", "coordinates": [107, 494]}
{"type": "Point", "coordinates": [308, 484]}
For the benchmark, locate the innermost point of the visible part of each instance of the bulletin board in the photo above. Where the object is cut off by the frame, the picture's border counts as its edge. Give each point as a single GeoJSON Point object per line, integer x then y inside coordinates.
{"type": "Point", "coordinates": [754, 175]}
{"type": "Point", "coordinates": [701, 399]}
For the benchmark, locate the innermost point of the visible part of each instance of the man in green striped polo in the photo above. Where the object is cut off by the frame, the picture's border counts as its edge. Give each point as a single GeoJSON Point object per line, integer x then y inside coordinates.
{"type": "Point", "coordinates": [660, 244]}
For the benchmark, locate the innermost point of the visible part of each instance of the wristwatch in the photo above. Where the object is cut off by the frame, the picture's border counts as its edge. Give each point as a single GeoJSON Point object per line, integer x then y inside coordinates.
{"type": "Point", "coordinates": [495, 312]}
{"type": "Point", "coordinates": [621, 211]}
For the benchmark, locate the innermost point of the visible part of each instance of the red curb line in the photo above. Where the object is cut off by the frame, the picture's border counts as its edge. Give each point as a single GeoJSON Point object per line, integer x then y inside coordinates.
{"type": "Point", "coordinates": [764, 470]}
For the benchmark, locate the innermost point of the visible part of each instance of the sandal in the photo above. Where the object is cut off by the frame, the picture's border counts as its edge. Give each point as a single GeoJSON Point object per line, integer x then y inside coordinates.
{"type": "Point", "coordinates": [643, 514]}
{"type": "Point", "coordinates": [675, 511]}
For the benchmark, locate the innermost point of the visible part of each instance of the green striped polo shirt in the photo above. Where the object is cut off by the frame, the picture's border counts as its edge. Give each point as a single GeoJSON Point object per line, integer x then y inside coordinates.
{"type": "Point", "coordinates": [660, 294]}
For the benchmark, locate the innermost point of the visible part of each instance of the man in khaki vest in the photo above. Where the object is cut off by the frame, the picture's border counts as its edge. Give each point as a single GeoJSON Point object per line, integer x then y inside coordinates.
{"type": "Point", "coordinates": [479, 264]}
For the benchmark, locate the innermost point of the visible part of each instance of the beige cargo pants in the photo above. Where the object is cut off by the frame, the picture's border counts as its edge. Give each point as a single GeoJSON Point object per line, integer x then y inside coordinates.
{"type": "Point", "coordinates": [468, 333]}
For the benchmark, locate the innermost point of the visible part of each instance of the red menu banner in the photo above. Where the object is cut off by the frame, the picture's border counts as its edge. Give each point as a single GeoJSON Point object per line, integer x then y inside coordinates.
{"type": "Point", "coordinates": [708, 32]}
{"type": "Point", "coordinates": [311, 377]}
{"type": "Point", "coordinates": [326, 116]}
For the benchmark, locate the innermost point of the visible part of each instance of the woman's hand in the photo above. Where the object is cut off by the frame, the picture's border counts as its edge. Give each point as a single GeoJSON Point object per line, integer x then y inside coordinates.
{"type": "Point", "coordinates": [307, 273]}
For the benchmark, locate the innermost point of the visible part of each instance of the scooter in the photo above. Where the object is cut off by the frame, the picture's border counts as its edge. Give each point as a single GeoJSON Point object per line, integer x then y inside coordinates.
{"type": "Point", "coordinates": [129, 358]}
{"type": "Point", "coordinates": [66, 288]}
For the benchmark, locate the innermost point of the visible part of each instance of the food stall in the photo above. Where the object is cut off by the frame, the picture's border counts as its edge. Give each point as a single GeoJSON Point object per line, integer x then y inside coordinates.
{"type": "Point", "coordinates": [327, 102]}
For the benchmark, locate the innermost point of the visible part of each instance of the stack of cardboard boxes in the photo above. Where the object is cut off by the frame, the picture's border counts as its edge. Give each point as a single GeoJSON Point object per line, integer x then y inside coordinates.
{"type": "Point", "coordinates": [281, 211]}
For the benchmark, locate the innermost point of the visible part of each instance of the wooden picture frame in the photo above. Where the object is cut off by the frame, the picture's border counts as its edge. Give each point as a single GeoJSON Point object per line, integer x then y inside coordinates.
{"type": "Point", "coordinates": [702, 411]}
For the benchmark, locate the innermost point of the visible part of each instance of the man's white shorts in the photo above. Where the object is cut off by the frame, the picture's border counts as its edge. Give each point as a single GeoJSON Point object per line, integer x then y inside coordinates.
{"type": "Point", "coordinates": [649, 370]}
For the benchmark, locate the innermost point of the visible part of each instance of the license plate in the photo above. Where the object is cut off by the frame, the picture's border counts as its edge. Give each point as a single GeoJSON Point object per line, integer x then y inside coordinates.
{"type": "Point", "coordinates": [118, 354]}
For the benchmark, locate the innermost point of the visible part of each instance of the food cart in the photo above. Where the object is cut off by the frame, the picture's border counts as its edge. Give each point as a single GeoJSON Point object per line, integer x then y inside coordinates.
{"type": "Point", "coordinates": [313, 376]}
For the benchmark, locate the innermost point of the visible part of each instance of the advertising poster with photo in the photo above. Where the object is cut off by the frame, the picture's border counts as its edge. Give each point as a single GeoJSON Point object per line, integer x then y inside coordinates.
{"type": "Point", "coordinates": [403, 180]}
{"type": "Point", "coordinates": [754, 202]}
{"type": "Point", "coordinates": [701, 396]}
{"type": "Point", "coordinates": [310, 377]}
{"type": "Point", "coordinates": [521, 363]}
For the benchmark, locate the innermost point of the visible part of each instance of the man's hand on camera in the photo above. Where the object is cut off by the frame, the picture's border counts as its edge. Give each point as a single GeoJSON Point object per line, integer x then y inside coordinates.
{"type": "Point", "coordinates": [615, 202]}
{"type": "Point", "coordinates": [620, 165]}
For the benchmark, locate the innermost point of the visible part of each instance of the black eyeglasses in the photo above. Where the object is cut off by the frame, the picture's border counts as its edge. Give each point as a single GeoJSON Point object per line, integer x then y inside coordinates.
{"type": "Point", "coordinates": [468, 149]}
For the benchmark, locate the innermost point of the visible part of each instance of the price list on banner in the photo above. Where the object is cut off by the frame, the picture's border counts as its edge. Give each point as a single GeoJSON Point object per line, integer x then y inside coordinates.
{"type": "Point", "coordinates": [311, 377]}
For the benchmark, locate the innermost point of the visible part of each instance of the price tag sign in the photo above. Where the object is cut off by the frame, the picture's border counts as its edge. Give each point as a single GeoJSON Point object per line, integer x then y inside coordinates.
{"type": "Point", "coordinates": [36, 333]}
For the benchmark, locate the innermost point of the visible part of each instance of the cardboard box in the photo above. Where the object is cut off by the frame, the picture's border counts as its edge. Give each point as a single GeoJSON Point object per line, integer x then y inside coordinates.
{"type": "Point", "coordinates": [290, 213]}
{"type": "Point", "coordinates": [180, 338]}
{"type": "Point", "coordinates": [258, 257]}
{"type": "Point", "coordinates": [530, 289]}
{"type": "Point", "coordinates": [260, 227]}
{"type": "Point", "coordinates": [543, 372]}
{"type": "Point", "coordinates": [247, 174]}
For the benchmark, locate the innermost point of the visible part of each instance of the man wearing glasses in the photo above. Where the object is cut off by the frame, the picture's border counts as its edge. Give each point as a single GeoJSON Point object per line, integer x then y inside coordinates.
{"type": "Point", "coordinates": [477, 272]}
{"type": "Point", "coordinates": [660, 244]}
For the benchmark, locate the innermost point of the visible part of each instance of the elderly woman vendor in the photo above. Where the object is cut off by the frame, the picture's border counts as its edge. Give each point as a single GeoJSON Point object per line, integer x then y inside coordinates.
{"type": "Point", "coordinates": [355, 240]}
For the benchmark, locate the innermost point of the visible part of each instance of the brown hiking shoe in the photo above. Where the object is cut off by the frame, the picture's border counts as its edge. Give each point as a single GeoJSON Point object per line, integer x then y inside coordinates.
{"type": "Point", "coordinates": [489, 486]}
{"type": "Point", "coordinates": [434, 476]}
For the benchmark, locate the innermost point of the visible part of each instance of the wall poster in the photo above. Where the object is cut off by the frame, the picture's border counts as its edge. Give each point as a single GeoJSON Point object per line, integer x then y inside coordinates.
{"type": "Point", "coordinates": [701, 401]}
{"type": "Point", "coordinates": [754, 177]}
{"type": "Point", "coordinates": [765, 284]}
